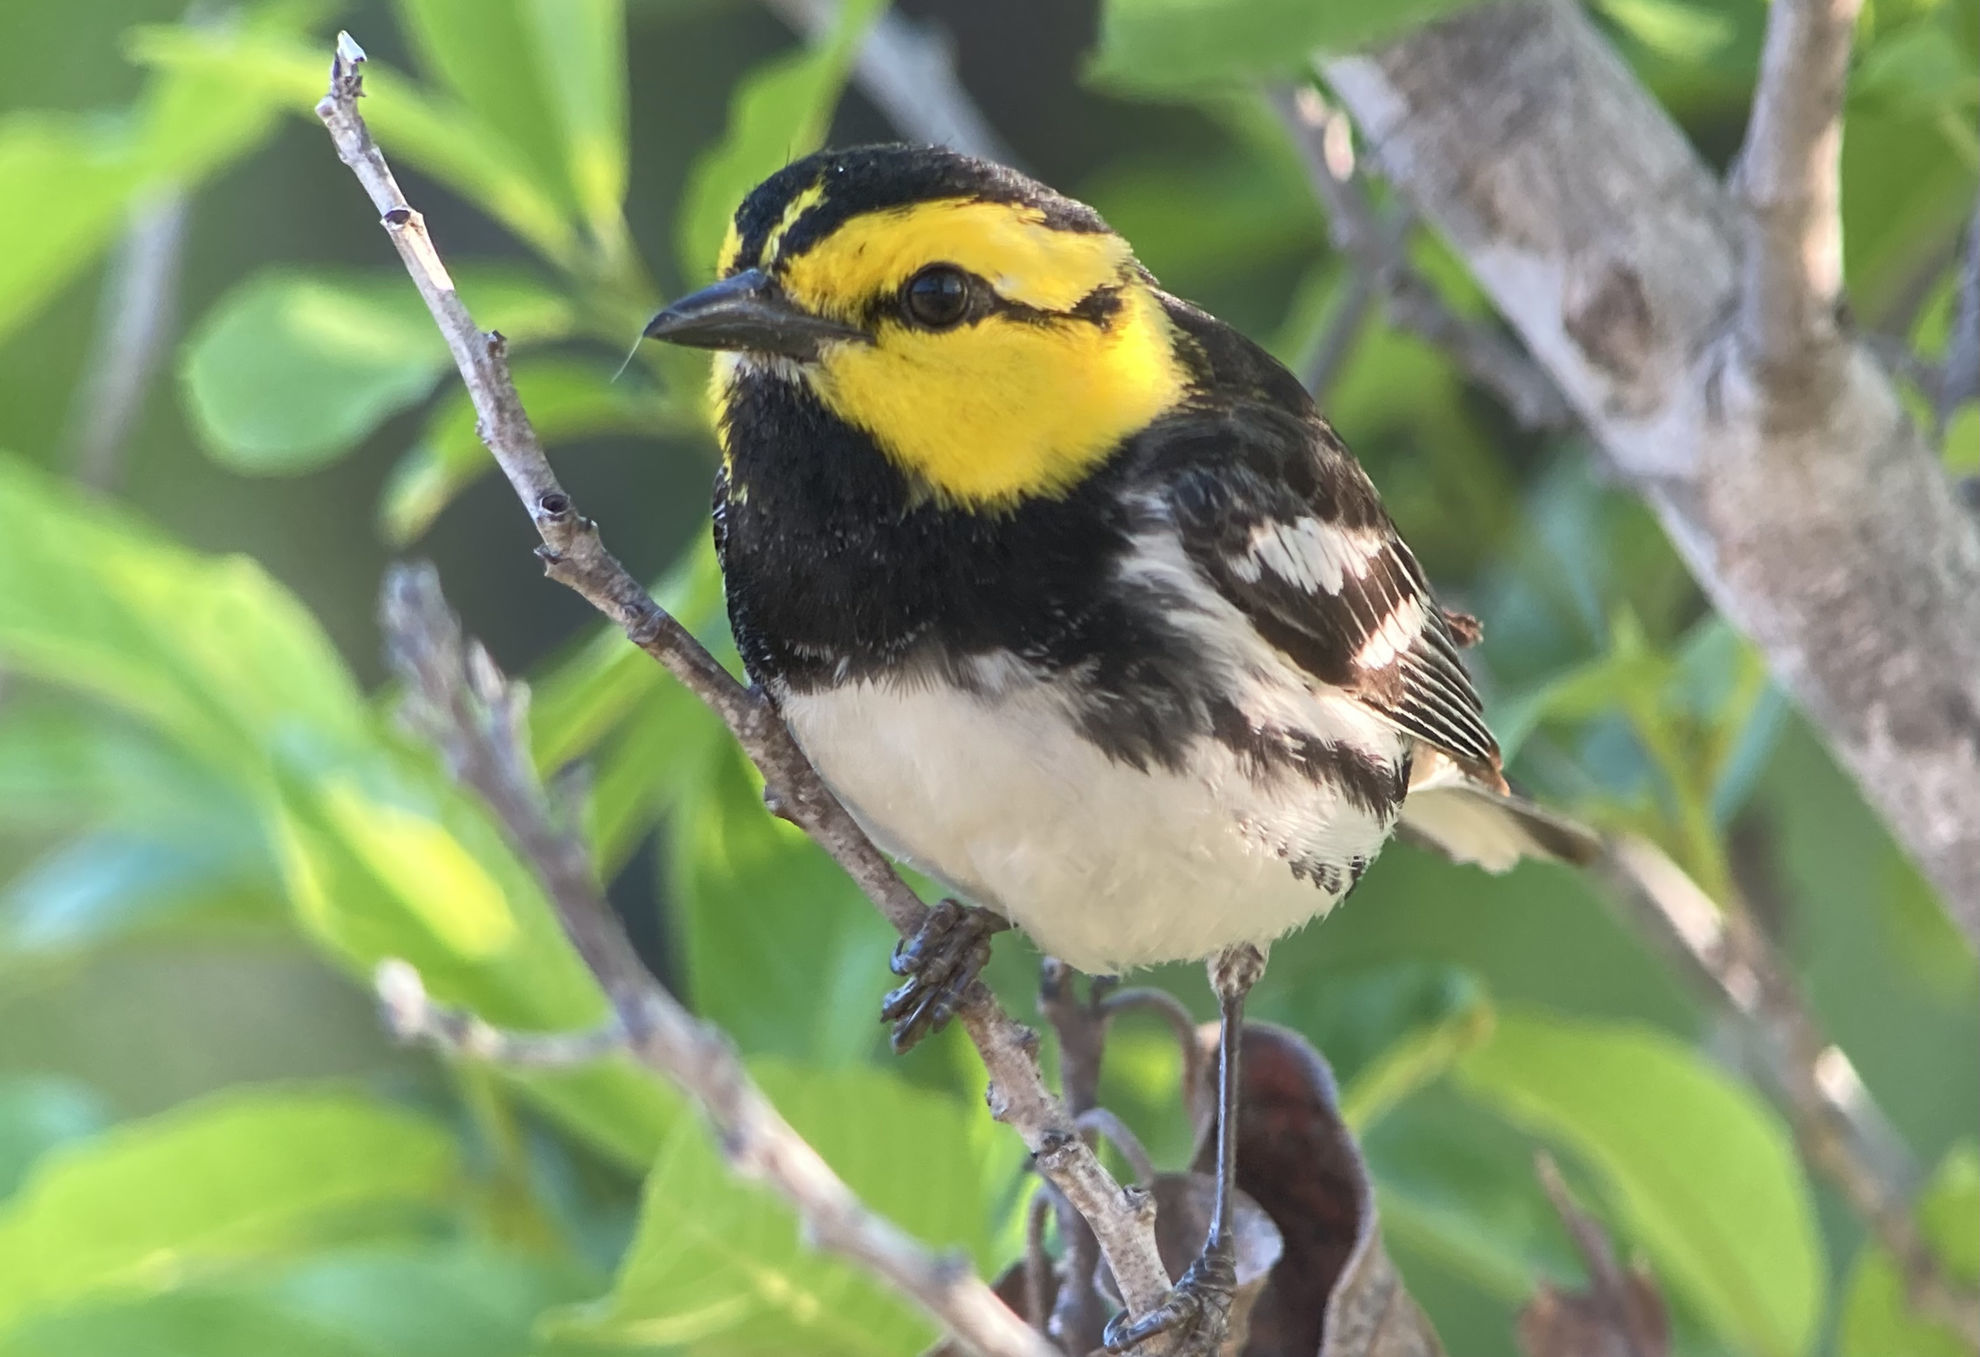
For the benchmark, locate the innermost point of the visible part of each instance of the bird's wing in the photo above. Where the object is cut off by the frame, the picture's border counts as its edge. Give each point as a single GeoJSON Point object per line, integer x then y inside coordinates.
{"type": "Point", "coordinates": [1283, 521]}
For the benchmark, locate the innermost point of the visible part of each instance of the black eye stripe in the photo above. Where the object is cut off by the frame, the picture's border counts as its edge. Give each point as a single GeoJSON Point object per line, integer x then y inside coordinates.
{"type": "Point", "coordinates": [1098, 307]}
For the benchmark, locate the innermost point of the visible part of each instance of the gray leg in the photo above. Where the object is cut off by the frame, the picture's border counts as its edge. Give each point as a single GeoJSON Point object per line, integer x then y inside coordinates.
{"type": "Point", "coordinates": [1198, 1307]}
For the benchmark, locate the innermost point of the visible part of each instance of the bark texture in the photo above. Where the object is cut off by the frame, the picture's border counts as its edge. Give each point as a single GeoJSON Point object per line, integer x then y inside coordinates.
{"type": "Point", "coordinates": [1769, 441]}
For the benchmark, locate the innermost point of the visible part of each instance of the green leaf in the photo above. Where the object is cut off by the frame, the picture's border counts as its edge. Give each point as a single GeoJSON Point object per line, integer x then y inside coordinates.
{"type": "Point", "coordinates": [241, 1175]}
{"type": "Point", "coordinates": [113, 885]}
{"type": "Point", "coordinates": [1700, 1170]}
{"type": "Point", "coordinates": [566, 399]}
{"type": "Point", "coordinates": [718, 1263]}
{"type": "Point", "coordinates": [177, 1324]}
{"type": "Point", "coordinates": [345, 1302]}
{"type": "Point", "coordinates": [1455, 1184]}
{"type": "Point", "coordinates": [69, 179]}
{"type": "Point", "coordinates": [1449, 1013]}
{"type": "Point", "coordinates": [1176, 46]}
{"type": "Point", "coordinates": [1878, 1319]}
{"type": "Point", "coordinates": [1919, 69]}
{"type": "Point", "coordinates": [436, 135]}
{"type": "Point", "coordinates": [290, 370]}
{"type": "Point", "coordinates": [65, 762]}
{"type": "Point", "coordinates": [211, 652]}
{"type": "Point", "coordinates": [436, 1302]}
{"type": "Point", "coordinates": [580, 48]}
{"type": "Point", "coordinates": [1673, 29]}
{"type": "Point", "coordinates": [381, 854]}
{"type": "Point", "coordinates": [38, 1112]}
{"type": "Point", "coordinates": [482, 52]}
{"type": "Point", "coordinates": [782, 950]}
{"type": "Point", "coordinates": [602, 682]}
{"type": "Point", "coordinates": [779, 112]}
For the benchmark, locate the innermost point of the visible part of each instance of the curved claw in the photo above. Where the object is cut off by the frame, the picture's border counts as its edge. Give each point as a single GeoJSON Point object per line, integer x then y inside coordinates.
{"type": "Point", "coordinates": [1197, 1308]}
{"type": "Point", "coordinates": [941, 961]}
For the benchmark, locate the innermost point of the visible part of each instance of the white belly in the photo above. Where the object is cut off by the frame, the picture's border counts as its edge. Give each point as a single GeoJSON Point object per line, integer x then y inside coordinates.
{"type": "Point", "coordinates": [1106, 866]}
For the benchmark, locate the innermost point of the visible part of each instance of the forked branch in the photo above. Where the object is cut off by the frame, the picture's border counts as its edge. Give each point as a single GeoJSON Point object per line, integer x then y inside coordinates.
{"type": "Point", "coordinates": [457, 700]}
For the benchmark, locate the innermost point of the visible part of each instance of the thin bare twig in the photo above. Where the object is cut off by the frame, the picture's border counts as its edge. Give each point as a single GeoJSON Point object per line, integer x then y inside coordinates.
{"type": "Point", "coordinates": [1789, 182]}
{"type": "Point", "coordinates": [1838, 1126]}
{"type": "Point", "coordinates": [1377, 247]}
{"type": "Point", "coordinates": [140, 309]}
{"type": "Point", "coordinates": [574, 555]}
{"type": "Point", "coordinates": [908, 69]}
{"type": "Point", "coordinates": [457, 699]}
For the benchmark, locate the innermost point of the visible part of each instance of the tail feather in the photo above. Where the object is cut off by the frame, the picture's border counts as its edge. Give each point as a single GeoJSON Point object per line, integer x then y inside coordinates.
{"type": "Point", "coordinates": [1480, 825]}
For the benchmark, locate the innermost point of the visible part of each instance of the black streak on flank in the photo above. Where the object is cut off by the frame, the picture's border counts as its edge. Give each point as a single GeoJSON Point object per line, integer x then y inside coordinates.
{"type": "Point", "coordinates": [1368, 782]}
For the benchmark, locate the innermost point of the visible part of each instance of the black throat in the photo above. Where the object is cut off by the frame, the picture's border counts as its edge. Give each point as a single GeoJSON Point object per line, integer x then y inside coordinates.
{"type": "Point", "coordinates": [839, 567]}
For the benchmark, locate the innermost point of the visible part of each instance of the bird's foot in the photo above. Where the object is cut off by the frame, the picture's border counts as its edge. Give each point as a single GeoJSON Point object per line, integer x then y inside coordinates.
{"type": "Point", "coordinates": [941, 961]}
{"type": "Point", "coordinates": [1197, 1310]}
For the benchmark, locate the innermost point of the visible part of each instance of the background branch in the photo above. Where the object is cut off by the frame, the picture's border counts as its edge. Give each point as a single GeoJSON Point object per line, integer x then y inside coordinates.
{"type": "Point", "coordinates": [139, 314]}
{"type": "Point", "coordinates": [459, 701]}
{"type": "Point", "coordinates": [575, 555]}
{"type": "Point", "coordinates": [1789, 182]}
{"type": "Point", "coordinates": [1377, 249]}
{"type": "Point", "coordinates": [1836, 1123]}
{"type": "Point", "coordinates": [1811, 510]}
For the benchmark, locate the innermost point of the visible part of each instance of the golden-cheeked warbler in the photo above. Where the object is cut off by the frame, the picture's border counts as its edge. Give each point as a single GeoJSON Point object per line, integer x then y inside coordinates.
{"type": "Point", "coordinates": [1070, 592]}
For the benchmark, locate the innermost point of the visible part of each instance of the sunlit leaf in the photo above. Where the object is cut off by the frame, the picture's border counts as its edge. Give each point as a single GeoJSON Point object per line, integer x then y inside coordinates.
{"type": "Point", "coordinates": [436, 135]}
{"type": "Point", "coordinates": [1702, 1172]}
{"type": "Point", "coordinates": [719, 1263]}
{"type": "Point", "coordinates": [1674, 29]}
{"type": "Point", "coordinates": [245, 1174]}
{"type": "Point", "coordinates": [69, 179]}
{"type": "Point", "coordinates": [290, 370]}
{"type": "Point", "coordinates": [381, 854]}
{"type": "Point", "coordinates": [209, 650]}
{"type": "Point", "coordinates": [37, 1113]}
{"type": "Point", "coordinates": [1878, 1318]}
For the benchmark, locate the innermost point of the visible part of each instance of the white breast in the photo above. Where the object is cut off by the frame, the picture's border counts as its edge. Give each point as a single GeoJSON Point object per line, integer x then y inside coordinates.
{"type": "Point", "coordinates": [1105, 865]}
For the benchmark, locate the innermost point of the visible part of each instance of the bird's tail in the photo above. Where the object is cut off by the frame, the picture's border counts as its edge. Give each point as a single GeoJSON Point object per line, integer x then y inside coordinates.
{"type": "Point", "coordinates": [1467, 821]}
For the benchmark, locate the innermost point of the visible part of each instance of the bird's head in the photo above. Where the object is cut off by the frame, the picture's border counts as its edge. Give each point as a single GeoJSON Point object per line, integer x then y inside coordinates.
{"type": "Point", "coordinates": [993, 338]}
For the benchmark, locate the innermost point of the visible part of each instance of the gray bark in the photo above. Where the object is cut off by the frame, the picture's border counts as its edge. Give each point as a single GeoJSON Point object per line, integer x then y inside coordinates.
{"type": "Point", "coordinates": [1805, 500]}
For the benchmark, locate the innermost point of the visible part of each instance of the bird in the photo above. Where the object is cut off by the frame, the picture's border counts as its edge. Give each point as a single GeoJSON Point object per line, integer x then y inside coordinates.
{"type": "Point", "coordinates": [1073, 597]}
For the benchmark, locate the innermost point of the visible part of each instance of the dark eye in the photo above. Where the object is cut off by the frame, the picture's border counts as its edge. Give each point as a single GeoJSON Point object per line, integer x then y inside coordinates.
{"type": "Point", "coordinates": [937, 297]}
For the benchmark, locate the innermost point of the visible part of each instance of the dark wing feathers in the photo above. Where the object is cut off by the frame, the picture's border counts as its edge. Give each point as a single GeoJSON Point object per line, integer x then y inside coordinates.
{"type": "Point", "coordinates": [1281, 518]}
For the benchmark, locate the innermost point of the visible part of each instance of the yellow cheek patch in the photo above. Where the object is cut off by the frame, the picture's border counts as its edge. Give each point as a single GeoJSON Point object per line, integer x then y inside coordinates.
{"type": "Point", "coordinates": [1007, 243]}
{"type": "Point", "coordinates": [1002, 410]}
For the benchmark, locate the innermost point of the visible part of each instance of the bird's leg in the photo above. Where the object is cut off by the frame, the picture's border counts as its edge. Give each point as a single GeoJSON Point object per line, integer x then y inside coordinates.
{"type": "Point", "coordinates": [941, 961]}
{"type": "Point", "coordinates": [1198, 1306]}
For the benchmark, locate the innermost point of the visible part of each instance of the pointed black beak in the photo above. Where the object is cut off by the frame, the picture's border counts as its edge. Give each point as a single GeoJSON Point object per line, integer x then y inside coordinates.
{"type": "Point", "coordinates": [748, 311]}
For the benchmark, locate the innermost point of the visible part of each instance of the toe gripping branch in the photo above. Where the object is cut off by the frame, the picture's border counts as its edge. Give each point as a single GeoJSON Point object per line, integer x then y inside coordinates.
{"type": "Point", "coordinates": [939, 963]}
{"type": "Point", "coordinates": [1197, 1309]}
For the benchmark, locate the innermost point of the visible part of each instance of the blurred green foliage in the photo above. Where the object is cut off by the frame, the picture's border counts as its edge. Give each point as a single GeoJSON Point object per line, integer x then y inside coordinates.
{"type": "Point", "coordinates": [211, 829]}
